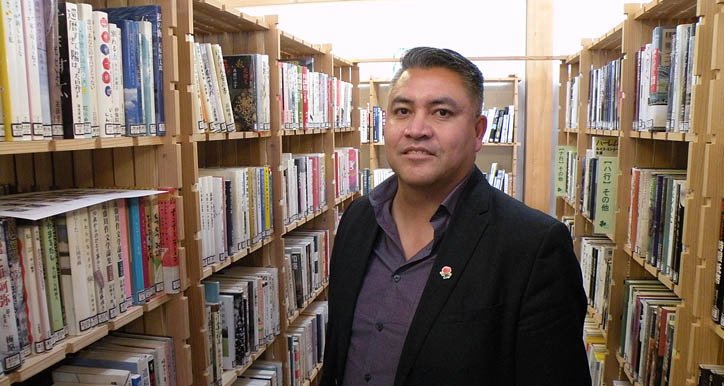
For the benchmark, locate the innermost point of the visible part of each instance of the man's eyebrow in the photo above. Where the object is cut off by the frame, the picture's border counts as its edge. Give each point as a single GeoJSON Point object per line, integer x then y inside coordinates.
{"type": "Point", "coordinates": [401, 99]}
{"type": "Point", "coordinates": [437, 101]}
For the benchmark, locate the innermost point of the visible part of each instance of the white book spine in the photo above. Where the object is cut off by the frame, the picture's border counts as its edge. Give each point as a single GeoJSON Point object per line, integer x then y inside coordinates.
{"type": "Point", "coordinates": [223, 87]}
{"type": "Point", "coordinates": [118, 119]}
{"type": "Point", "coordinates": [32, 68]}
{"type": "Point", "coordinates": [87, 77]}
{"type": "Point", "coordinates": [27, 257]}
{"type": "Point", "coordinates": [103, 74]}
{"type": "Point", "coordinates": [147, 75]}
{"type": "Point", "coordinates": [15, 66]}
{"type": "Point", "coordinates": [213, 87]}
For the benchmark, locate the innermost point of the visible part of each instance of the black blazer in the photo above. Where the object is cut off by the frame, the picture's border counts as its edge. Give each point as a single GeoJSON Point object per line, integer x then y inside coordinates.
{"type": "Point", "coordinates": [511, 313]}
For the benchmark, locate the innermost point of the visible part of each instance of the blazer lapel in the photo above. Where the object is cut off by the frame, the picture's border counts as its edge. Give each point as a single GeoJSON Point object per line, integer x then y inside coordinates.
{"type": "Point", "coordinates": [461, 238]}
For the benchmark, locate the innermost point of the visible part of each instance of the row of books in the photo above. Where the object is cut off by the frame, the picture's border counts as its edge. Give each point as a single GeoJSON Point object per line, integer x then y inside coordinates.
{"type": "Point", "coordinates": [372, 124]}
{"type": "Point", "coordinates": [647, 325]}
{"type": "Point", "coordinates": [311, 99]}
{"type": "Point", "coordinates": [305, 342]}
{"type": "Point", "coordinates": [373, 177]}
{"type": "Point", "coordinates": [304, 185]}
{"type": "Point", "coordinates": [499, 178]}
{"type": "Point", "coordinates": [595, 258]}
{"type": "Point", "coordinates": [306, 261]}
{"type": "Point", "coordinates": [596, 351]}
{"type": "Point", "coordinates": [232, 91]}
{"type": "Point", "coordinates": [656, 217]}
{"type": "Point", "coordinates": [236, 210]}
{"type": "Point", "coordinates": [604, 102]}
{"type": "Point", "coordinates": [346, 171]}
{"type": "Point", "coordinates": [120, 359]}
{"type": "Point", "coordinates": [600, 177]}
{"type": "Point", "coordinates": [566, 172]}
{"type": "Point", "coordinates": [65, 274]}
{"type": "Point", "coordinates": [242, 311]}
{"type": "Point", "coordinates": [573, 99]}
{"type": "Point", "coordinates": [501, 125]}
{"type": "Point", "coordinates": [262, 373]}
{"type": "Point", "coordinates": [73, 72]}
{"type": "Point", "coordinates": [664, 80]}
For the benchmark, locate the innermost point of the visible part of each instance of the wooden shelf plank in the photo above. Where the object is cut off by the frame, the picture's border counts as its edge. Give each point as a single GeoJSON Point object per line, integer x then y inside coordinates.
{"type": "Point", "coordinates": [131, 314]}
{"type": "Point", "coordinates": [292, 46]}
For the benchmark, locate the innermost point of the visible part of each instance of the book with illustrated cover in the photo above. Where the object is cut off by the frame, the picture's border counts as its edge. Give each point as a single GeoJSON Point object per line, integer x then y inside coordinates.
{"type": "Point", "coordinates": [153, 15]}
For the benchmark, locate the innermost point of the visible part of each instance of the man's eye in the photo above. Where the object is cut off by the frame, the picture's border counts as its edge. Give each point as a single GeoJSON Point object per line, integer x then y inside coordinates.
{"type": "Point", "coordinates": [402, 111]}
{"type": "Point", "coordinates": [443, 113]}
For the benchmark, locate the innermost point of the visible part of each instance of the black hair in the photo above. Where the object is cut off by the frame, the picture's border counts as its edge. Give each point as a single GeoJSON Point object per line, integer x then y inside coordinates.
{"type": "Point", "coordinates": [430, 57]}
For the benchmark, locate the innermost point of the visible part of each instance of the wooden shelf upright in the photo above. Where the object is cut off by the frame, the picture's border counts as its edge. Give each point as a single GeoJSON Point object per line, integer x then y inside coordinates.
{"type": "Point", "coordinates": [697, 340]}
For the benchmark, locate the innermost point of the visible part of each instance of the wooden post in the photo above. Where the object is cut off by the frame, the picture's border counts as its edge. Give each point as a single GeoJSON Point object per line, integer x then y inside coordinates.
{"type": "Point", "coordinates": [539, 106]}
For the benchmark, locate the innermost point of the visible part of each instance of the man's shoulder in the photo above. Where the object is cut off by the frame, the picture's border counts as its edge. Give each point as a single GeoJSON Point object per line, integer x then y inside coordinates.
{"type": "Point", "coordinates": [511, 209]}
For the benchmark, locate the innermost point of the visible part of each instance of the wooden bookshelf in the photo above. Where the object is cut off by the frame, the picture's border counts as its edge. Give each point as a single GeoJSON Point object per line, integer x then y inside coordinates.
{"type": "Point", "coordinates": [697, 339]}
{"type": "Point", "coordinates": [237, 33]}
{"type": "Point", "coordinates": [142, 162]}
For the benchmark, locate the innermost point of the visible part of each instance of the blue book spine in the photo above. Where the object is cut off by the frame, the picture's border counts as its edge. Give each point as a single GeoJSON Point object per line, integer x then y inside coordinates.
{"type": "Point", "coordinates": [132, 90]}
{"type": "Point", "coordinates": [152, 14]}
{"type": "Point", "coordinates": [136, 255]}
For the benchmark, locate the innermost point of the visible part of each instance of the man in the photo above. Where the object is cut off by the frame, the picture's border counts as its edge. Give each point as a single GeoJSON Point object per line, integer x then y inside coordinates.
{"type": "Point", "coordinates": [439, 279]}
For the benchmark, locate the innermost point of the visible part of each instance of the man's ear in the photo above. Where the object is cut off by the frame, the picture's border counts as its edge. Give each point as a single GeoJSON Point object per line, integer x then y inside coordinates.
{"type": "Point", "coordinates": [481, 125]}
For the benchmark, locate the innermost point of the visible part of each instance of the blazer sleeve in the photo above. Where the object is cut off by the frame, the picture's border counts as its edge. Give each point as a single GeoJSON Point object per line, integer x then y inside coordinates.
{"type": "Point", "coordinates": [550, 348]}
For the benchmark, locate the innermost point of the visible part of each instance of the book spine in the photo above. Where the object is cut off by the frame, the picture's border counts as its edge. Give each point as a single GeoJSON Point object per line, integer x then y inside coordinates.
{"type": "Point", "coordinates": [71, 96]}
{"type": "Point", "coordinates": [32, 68]}
{"type": "Point", "coordinates": [87, 73]}
{"type": "Point", "coordinates": [169, 242]}
{"type": "Point", "coordinates": [99, 272]}
{"type": "Point", "coordinates": [102, 74]}
{"type": "Point", "coordinates": [108, 263]}
{"type": "Point", "coordinates": [223, 87]}
{"type": "Point", "coordinates": [46, 334]}
{"type": "Point", "coordinates": [120, 217]}
{"type": "Point", "coordinates": [43, 67]}
{"type": "Point", "coordinates": [136, 251]}
{"type": "Point", "coordinates": [147, 74]}
{"type": "Point", "coordinates": [155, 252]}
{"type": "Point", "coordinates": [132, 78]}
{"type": "Point", "coordinates": [145, 214]}
{"type": "Point", "coordinates": [10, 355]}
{"type": "Point", "coordinates": [49, 243]}
{"type": "Point", "coordinates": [16, 120]}
{"type": "Point", "coordinates": [117, 121]}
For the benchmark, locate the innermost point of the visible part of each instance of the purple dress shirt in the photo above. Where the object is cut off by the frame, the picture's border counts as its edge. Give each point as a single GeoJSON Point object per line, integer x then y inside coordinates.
{"type": "Point", "coordinates": [391, 291]}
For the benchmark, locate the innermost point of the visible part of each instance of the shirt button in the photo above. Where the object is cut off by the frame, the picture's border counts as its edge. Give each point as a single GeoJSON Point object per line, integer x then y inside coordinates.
{"type": "Point", "coordinates": [367, 377]}
{"type": "Point", "coordinates": [379, 326]}
{"type": "Point", "coordinates": [396, 278]}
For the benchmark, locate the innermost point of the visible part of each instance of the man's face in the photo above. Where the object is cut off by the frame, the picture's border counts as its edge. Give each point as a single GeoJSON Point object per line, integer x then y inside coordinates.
{"type": "Point", "coordinates": [432, 131]}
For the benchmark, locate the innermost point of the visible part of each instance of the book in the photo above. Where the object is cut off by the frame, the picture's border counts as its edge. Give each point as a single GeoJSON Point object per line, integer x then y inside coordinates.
{"type": "Point", "coordinates": [13, 74]}
{"type": "Point", "coordinates": [87, 374]}
{"type": "Point", "coordinates": [153, 15]}
{"type": "Point", "coordinates": [49, 243]}
{"type": "Point", "coordinates": [10, 350]}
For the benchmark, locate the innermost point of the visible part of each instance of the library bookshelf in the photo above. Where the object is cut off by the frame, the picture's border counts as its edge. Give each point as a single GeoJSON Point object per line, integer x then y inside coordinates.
{"type": "Point", "coordinates": [695, 149]}
{"type": "Point", "coordinates": [238, 33]}
{"type": "Point", "coordinates": [128, 162]}
{"type": "Point", "coordinates": [174, 160]}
